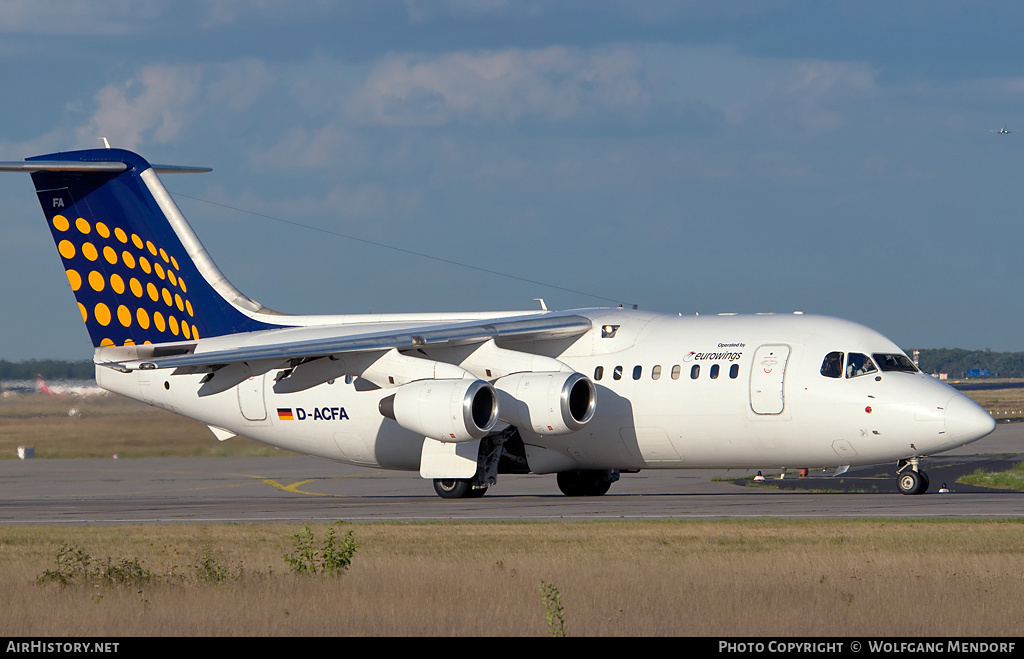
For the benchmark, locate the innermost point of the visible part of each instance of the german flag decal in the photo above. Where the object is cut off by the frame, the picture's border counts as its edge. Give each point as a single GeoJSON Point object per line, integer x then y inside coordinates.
{"type": "Point", "coordinates": [285, 414]}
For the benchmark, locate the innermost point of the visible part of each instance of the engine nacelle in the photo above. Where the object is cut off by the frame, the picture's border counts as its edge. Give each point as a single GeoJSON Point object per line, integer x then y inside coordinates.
{"type": "Point", "coordinates": [447, 410]}
{"type": "Point", "coordinates": [555, 403]}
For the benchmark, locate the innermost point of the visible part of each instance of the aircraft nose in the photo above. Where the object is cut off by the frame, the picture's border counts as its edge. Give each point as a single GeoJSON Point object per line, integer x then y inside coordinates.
{"type": "Point", "coordinates": [967, 421]}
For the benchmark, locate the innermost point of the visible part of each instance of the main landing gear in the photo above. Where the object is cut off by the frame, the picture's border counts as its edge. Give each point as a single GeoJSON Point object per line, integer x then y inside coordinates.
{"type": "Point", "coordinates": [576, 483]}
{"type": "Point", "coordinates": [458, 488]}
{"type": "Point", "coordinates": [909, 477]}
{"type": "Point", "coordinates": [586, 482]}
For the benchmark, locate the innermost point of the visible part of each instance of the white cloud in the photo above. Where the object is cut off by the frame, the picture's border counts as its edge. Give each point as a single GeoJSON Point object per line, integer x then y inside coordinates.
{"type": "Point", "coordinates": [301, 147]}
{"type": "Point", "coordinates": [159, 102]}
{"type": "Point", "coordinates": [790, 98]}
{"type": "Point", "coordinates": [501, 87]}
{"type": "Point", "coordinates": [152, 105]}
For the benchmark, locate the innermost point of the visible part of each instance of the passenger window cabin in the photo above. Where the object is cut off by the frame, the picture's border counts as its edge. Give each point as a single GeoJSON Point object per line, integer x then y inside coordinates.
{"type": "Point", "coordinates": [714, 370]}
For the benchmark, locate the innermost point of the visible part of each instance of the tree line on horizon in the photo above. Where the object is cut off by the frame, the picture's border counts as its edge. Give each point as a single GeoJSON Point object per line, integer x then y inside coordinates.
{"type": "Point", "coordinates": [953, 361]}
{"type": "Point", "coordinates": [956, 362]}
{"type": "Point", "coordinates": [50, 369]}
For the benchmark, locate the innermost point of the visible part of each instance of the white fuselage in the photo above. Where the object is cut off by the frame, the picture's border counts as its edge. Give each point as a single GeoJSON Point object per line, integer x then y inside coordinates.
{"type": "Point", "coordinates": [672, 391]}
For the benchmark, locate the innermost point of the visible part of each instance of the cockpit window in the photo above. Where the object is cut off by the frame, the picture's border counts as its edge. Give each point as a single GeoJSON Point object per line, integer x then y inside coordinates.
{"type": "Point", "coordinates": [858, 364]}
{"type": "Point", "coordinates": [832, 367]}
{"type": "Point", "coordinates": [898, 362]}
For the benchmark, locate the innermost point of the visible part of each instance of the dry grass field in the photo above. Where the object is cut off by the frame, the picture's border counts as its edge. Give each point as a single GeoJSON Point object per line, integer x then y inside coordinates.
{"type": "Point", "coordinates": [100, 426]}
{"type": "Point", "coordinates": [755, 578]}
{"type": "Point", "coordinates": [1001, 403]}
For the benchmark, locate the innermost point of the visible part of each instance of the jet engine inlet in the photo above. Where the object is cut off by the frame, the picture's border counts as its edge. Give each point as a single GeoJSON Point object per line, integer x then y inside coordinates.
{"type": "Point", "coordinates": [446, 410]}
{"type": "Point", "coordinates": [547, 403]}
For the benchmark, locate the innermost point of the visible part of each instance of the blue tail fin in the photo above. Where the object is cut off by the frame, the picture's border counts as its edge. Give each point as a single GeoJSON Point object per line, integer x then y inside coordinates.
{"type": "Point", "coordinates": [138, 272]}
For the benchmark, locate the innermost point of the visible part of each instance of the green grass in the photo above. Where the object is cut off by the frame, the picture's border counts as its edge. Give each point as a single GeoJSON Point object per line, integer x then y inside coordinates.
{"type": "Point", "coordinates": [1012, 479]}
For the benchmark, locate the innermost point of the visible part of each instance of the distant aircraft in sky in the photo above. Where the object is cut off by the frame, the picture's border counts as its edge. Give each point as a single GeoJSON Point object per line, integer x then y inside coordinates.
{"type": "Point", "coordinates": [586, 394]}
{"type": "Point", "coordinates": [1003, 131]}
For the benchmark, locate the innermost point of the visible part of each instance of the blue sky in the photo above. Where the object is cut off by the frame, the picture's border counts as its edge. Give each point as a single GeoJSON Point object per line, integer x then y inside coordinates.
{"type": "Point", "coordinates": [833, 158]}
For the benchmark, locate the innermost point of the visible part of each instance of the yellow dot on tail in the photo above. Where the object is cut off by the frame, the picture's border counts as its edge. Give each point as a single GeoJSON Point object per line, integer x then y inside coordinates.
{"type": "Point", "coordinates": [163, 255]}
{"type": "Point", "coordinates": [174, 325]}
{"type": "Point", "coordinates": [85, 314]}
{"type": "Point", "coordinates": [167, 297]}
{"type": "Point", "coordinates": [66, 249]}
{"type": "Point", "coordinates": [106, 343]}
{"type": "Point", "coordinates": [153, 294]}
{"type": "Point", "coordinates": [144, 264]}
{"type": "Point", "coordinates": [102, 230]}
{"type": "Point", "coordinates": [174, 262]}
{"type": "Point", "coordinates": [74, 279]}
{"type": "Point", "coordinates": [195, 333]}
{"type": "Point", "coordinates": [121, 235]}
{"type": "Point", "coordinates": [159, 270]}
{"type": "Point", "coordinates": [96, 281]}
{"type": "Point", "coordinates": [151, 247]}
{"type": "Point", "coordinates": [124, 316]}
{"type": "Point", "coordinates": [158, 320]}
{"type": "Point", "coordinates": [117, 283]}
{"type": "Point", "coordinates": [89, 251]}
{"type": "Point", "coordinates": [136, 287]}
{"type": "Point", "coordinates": [128, 259]}
{"type": "Point", "coordinates": [60, 223]}
{"type": "Point", "coordinates": [110, 255]}
{"type": "Point", "coordinates": [102, 314]}
{"type": "Point", "coordinates": [185, 331]}
{"type": "Point", "coordinates": [142, 317]}
{"type": "Point", "coordinates": [188, 307]}
{"type": "Point", "coordinates": [83, 225]}
{"type": "Point", "coordinates": [137, 241]}
{"type": "Point", "coordinates": [178, 303]}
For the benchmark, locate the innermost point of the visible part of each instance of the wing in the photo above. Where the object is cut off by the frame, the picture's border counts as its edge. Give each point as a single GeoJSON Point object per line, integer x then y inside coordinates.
{"type": "Point", "coordinates": [285, 347]}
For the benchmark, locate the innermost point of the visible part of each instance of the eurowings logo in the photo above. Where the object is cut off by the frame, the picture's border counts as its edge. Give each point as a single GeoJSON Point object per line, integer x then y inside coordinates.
{"type": "Point", "coordinates": [712, 356]}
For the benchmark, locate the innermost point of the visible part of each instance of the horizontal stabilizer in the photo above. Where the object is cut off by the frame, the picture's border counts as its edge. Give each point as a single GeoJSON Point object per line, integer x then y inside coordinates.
{"type": "Point", "coordinates": [92, 167]}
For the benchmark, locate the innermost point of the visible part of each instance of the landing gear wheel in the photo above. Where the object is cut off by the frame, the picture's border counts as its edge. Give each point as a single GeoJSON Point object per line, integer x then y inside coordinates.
{"type": "Point", "coordinates": [457, 488]}
{"type": "Point", "coordinates": [912, 482]}
{"type": "Point", "coordinates": [583, 483]}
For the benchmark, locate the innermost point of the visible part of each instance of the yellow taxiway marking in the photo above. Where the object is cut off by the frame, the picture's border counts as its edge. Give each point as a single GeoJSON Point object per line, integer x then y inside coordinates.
{"type": "Point", "coordinates": [294, 487]}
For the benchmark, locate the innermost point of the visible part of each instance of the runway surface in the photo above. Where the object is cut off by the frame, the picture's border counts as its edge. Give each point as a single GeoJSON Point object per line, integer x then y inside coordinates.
{"type": "Point", "coordinates": [301, 489]}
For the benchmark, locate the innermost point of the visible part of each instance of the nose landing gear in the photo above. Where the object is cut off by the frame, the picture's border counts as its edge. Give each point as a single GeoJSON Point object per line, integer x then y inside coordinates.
{"type": "Point", "coordinates": [909, 477]}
